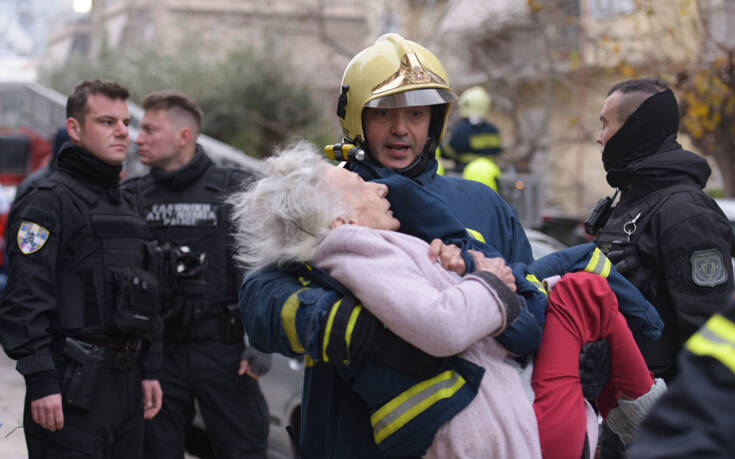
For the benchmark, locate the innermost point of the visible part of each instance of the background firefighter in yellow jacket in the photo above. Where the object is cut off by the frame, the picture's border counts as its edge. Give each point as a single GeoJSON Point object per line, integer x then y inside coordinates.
{"type": "Point", "coordinates": [475, 142]}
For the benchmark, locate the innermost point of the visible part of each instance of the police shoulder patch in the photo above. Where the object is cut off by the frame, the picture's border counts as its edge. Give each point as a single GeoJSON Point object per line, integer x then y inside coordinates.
{"type": "Point", "coordinates": [708, 268]}
{"type": "Point", "coordinates": [31, 237]}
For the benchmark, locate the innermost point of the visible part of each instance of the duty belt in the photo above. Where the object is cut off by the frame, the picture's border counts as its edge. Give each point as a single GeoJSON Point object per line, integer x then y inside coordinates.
{"type": "Point", "coordinates": [116, 352]}
{"type": "Point", "coordinates": [115, 344]}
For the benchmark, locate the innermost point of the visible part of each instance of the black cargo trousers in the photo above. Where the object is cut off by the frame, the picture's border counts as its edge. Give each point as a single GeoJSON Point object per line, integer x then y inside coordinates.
{"type": "Point", "coordinates": [233, 407]}
{"type": "Point", "coordinates": [102, 406]}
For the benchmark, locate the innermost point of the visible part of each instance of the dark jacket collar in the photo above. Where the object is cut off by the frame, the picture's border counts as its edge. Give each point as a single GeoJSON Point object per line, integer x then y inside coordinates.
{"type": "Point", "coordinates": [669, 165]}
{"type": "Point", "coordinates": [183, 177]}
{"type": "Point", "coordinates": [370, 171]}
{"type": "Point", "coordinates": [89, 169]}
{"type": "Point", "coordinates": [83, 165]}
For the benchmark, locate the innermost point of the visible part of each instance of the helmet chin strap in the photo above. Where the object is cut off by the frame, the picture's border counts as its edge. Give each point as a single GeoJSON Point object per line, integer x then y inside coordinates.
{"type": "Point", "coordinates": [419, 165]}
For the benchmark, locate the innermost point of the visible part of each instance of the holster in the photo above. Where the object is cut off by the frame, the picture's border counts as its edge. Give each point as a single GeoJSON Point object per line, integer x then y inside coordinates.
{"type": "Point", "coordinates": [81, 374]}
{"type": "Point", "coordinates": [79, 383]}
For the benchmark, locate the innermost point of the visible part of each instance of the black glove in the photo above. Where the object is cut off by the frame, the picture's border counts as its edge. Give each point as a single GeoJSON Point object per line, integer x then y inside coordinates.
{"type": "Point", "coordinates": [610, 445]}
{"type": "Point", "coordinates": [259, 362]}
{"type": "Point", "coordinates": [594, 368]}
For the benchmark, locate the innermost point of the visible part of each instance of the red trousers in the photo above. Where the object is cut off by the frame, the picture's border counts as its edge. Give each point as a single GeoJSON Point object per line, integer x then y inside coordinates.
{"type": "Point", "coordinates": [582, 308]}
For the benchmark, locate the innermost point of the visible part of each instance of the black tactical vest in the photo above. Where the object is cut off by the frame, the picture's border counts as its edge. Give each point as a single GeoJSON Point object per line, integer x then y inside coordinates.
{"type": "Point", "coordinates": [626, 223]}
{"type": "Point", "coordinates": [620, 234]}
{"type": "Point", "coordinates": [196, 217]}
{"type": "Point", "coordinates": [103, 285]}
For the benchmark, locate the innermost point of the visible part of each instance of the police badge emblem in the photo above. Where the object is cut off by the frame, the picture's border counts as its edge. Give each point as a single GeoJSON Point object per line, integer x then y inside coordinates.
{"type": "Point", "coordinates": [31, 237]}
{"type": "Point", "coordinates": [708, 268]}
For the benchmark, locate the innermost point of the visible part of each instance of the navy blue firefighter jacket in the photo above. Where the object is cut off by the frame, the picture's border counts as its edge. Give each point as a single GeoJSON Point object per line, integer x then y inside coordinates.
{"type": "Point", "coordinates": [287, 312]}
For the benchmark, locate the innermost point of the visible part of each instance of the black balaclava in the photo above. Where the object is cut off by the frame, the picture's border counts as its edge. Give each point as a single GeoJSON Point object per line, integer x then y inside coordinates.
{"type": "Point", "coordinates": [419, 165]}
{"type": "Point", "coordinates": [642, 134]}
{"type": "Point", "coordinates": [80, 163]}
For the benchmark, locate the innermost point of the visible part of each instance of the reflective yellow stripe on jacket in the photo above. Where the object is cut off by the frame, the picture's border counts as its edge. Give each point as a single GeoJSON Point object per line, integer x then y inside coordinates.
{"type": "Point", "coordinates": [351, 325]}
{"type": "Point", "coordinates": [599, 264]}
{"type": "Point", "coordinates": [476, 234]}
{"type": "Point", "coordinates": [328, 329]}
{"type": "Point", "coordinates": [288, 320]}
{"type": "Point", "coordinates": [412, 402]}
{"type": "Point", "coordinates": [485, 140]}
{"type": "Point", "coordinates": [537, 283]}
{"type": "Point", "coordinates": [349, 328]}
{"type": "Point", "coordinates": [715, 339]}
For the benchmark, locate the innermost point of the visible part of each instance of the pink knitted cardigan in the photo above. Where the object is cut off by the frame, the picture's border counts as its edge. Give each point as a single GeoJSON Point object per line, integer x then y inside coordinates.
{"type": "Point", "coordinates": [442, 314]}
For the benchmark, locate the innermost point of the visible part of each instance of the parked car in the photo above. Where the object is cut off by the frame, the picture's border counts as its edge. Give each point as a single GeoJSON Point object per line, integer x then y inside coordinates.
{"type": "Point", "coordinates": [282, 385]}
{"type": "Point", "coordinates": [542, 244]}
{"type": "Point", "coordinates": [728, 208]}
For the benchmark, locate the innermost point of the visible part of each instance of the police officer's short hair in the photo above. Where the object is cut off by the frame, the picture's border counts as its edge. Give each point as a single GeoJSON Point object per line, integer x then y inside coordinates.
{"type": "Point", "coordinates": [635, 92]}
{"type": "Point", "coordinates": [174, 100]}
{"type": "Point", "coordinates": [76, 104]}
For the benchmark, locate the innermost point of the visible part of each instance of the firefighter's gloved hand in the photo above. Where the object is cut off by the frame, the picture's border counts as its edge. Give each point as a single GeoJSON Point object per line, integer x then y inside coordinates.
{"type": "Point", "coordinates": [259, 363]}
{"type": "Point", "coordinates": [594, 368]}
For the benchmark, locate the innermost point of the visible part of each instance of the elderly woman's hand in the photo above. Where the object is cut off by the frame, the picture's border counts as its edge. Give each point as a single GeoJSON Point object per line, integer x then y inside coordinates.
{"type": "Point", "coordinates": [450, 256]}
{"type": "Point", "coordinates": [496, 266]}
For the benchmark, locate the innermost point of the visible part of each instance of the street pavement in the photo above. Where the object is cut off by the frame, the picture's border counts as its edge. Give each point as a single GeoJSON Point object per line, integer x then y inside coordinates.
{"type": "Point", "coordinates": [12, 391]}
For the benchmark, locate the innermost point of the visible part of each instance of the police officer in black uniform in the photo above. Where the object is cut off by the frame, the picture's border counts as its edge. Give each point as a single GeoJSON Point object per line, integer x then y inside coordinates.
{"type": "Point", "coordinates": [80, 308]}
{"type": "Point", "coordinates": [182, 200]}
{"type": "Point", "coordinates": [665, 234]}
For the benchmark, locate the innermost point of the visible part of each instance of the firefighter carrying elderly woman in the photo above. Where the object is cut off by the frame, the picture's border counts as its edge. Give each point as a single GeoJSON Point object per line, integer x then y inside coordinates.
{"type": "Point", "coordinates": [426, 325]}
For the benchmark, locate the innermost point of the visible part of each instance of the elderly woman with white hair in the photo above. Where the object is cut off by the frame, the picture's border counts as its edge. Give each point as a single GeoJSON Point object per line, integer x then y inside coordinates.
{"type": "Point", "coordinates": [302, 209]}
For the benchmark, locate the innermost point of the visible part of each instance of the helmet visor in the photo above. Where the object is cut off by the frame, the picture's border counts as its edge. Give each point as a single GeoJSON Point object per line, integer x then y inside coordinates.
{"type": "Point", "coordinates": [414, 98]}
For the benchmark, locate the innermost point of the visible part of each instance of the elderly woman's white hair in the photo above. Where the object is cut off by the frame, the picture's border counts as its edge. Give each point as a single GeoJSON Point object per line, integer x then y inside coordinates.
{"type": "Point", "coordinates": [286, 211]}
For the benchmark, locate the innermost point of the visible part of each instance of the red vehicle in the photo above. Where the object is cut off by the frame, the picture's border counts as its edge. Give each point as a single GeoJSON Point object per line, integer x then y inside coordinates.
{"type": "Point", "coordinates": [22, 151]}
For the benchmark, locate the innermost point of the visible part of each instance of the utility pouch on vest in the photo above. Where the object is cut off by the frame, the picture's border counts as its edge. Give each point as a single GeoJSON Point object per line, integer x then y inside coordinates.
{"type": "Point", "coordinates": [231, 323]}
{"type": "Point", "coordinates": [136, 301]}
{"type": "Point", "coordinates": [190, 300]}
{"type": "Point", "coordinates": [191, 296]}
{"type": "Point", "coordinates": [161, 261]}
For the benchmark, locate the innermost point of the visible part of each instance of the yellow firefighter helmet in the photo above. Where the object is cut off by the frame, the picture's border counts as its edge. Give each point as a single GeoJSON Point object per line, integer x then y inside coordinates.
{"type": "Point", "coordinates": [474, 101]}
{"type": "Point", "coordinates": [393, 73]}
